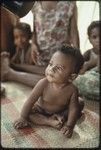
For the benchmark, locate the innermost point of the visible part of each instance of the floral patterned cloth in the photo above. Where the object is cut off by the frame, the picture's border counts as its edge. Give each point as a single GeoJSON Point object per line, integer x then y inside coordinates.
{"type": "Point", "coordinates": [52, 28]}
{"type": "Point", "coordinates": [89, 84]}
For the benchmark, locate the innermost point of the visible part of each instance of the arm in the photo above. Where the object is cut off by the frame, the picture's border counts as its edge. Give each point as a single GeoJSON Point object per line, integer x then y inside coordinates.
{"type": "Point", "coordinates": [73, 114]}
{"type": "Point", "coordinates": [34, 47]}
{"type": "Point", "coordinates": [26, 110]}
{"type": "Point", "coordinates": [73, 109]}
{"type": "Point", "coordinates": [74, 34]}
{"type": "Point", "coordinates": [86, 55]}
{"type": "Point", "coordinates": [90, 62]}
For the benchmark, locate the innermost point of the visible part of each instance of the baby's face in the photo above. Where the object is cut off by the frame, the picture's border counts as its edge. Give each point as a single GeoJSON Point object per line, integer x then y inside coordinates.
{"type": "Point", "coordinates": [20, 39]}
{"type": "Point", "coordinates": [94, 39]}
{"type": "Point", "coordinates": [60, 68]}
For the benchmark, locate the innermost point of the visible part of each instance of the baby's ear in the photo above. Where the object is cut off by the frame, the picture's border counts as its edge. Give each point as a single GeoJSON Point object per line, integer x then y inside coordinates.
{"type": "Point", "coordinates": [72, 77]}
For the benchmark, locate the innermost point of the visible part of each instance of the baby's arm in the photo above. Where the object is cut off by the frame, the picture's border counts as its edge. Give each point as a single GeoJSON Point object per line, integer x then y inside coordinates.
{"type": "Point", "coordinates": [26, 110]}
{"type": "Point", "coordinates": [73, 114]}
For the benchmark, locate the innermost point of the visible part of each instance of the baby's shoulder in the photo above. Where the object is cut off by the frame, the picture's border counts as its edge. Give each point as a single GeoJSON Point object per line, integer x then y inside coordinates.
{"type": "Point", "coordinates": [43, 82]}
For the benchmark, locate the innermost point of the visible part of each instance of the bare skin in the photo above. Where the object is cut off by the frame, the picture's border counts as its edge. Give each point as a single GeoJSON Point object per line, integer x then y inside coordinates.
{"type": "Point", "coordinates": [29, 68]}
{"type": "Point", "coordinates": [51, 97]}
{"type": "Point", "coordinates": [91, 56]}
{"type": "Point", "coordinates": [8, 20]}
{"type": "Point", "coordinates": [23, 46]}
{"type": "Point", "coordinates": [8, 74]}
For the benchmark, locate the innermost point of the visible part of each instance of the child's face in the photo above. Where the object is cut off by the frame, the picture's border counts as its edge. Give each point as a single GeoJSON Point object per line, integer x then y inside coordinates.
{"type": "Point", "coordinates": [60, 68]}
{"type": "Point", "coordinates": [20, 38]}
{"type": "Point", "coordinates": [94, 39]}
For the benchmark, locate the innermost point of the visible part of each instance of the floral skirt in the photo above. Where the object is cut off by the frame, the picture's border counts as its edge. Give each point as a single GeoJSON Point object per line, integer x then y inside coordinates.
{"type": "Point", "coordinates": [89, 84]}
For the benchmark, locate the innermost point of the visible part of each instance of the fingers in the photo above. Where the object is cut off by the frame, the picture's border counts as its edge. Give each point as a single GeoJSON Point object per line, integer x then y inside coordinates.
{"type": "Point", "coordinates": [20, 124]}
{"type": "Point", "coordinates": [66, 131]}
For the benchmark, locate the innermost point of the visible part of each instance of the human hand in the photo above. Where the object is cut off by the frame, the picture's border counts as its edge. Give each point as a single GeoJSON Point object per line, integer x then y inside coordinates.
{"type": "Point", "coordinates": [21, 123]}
{"type": "Point", "coordinates": [34, 53]}
{"type": "Point", "coordinates": [67, 130]}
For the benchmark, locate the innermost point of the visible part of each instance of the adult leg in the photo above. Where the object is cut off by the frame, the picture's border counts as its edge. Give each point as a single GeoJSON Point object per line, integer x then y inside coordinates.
{"type": "Point", "coordinates": [29, 68]}
{"type": "Point", "coordinates": [8, 74]}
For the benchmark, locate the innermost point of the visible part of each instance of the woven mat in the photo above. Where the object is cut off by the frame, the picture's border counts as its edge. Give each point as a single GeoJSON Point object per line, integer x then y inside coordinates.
{"type": "Point", "coordinates": [86, 133]}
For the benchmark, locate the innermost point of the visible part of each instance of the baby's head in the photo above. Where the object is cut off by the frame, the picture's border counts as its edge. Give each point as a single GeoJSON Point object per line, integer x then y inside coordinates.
{"type": "Point", "coordinates": [22, 34]}
{"type": "Point", "coordinates": [64, 65]}
{"type": "Point", "coordinates": [94, 35]}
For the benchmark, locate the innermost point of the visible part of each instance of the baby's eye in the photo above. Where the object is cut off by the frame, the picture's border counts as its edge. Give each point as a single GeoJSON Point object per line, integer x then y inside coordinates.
{"type": "Point", "coordinates": [59, 68]}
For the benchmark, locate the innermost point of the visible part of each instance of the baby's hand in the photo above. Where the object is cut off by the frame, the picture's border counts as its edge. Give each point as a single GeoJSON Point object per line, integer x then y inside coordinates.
{"type": "Point", "coordinates": [21, 123]}
{"type": "Point", "coordinates": [67, 130]}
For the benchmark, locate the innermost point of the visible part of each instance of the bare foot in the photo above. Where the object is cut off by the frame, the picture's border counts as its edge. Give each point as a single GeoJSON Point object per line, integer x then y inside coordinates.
{"type": "Point", "coordinates": [56, 121]}
{"type": "Point", "coordinates": [4, 65]}
{"type": "Point", "coordinates": [2, 91]}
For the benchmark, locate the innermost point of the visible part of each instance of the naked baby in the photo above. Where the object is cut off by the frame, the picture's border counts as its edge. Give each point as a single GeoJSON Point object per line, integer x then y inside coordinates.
{"type": "Point", "coordinates": [54, 101]}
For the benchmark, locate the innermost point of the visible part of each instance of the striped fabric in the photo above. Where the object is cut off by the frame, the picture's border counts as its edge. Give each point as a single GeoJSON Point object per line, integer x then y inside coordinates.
{"type": "Point", "coordinates": [86, 133]}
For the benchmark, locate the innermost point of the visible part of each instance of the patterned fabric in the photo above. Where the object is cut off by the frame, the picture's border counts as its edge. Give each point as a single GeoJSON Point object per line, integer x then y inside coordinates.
{"type": "Point", "coordinates": [52, 28]}
{"type": "Point", "coordinates": [42, 136]}
{"type": "Point", "coordinates": [89, 84]}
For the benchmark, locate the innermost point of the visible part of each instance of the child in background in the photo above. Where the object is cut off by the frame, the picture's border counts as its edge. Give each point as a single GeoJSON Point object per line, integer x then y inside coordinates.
{"type": "Point", "coordinates": [54, 100]}
{"type": "Point", "coordinates": [91, 56]}
{"type": "Point", "coordinates": [88, 82]}
{"type": "Point", "coordinates": [22, 35]}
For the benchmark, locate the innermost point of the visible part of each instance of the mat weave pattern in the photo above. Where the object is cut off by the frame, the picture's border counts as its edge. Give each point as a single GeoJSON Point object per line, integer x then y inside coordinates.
{"type": "Point", "coordinates": [86, 133]}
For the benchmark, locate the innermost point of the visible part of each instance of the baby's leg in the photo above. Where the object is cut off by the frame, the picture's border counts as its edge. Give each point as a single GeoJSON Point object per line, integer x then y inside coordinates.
{"type": "Point", "coordinates": [38, 116]}
{"type": "Point", "coordinates": [41, 119]}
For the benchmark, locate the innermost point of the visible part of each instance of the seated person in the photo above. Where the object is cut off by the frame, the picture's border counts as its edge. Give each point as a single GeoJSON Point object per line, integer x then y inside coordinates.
{"type": "Point", "coordinates": [91, 56]}
{"type": "Point", "coordinates": [88, 82]}
{"type": "Point", "coordinates": [22, 35]}
{"type": "Point", "coordinates": [54, 100]}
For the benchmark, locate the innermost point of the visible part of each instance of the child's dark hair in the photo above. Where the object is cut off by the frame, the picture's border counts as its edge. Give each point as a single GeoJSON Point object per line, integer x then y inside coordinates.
{"type": "Point", "coordinates": [94, 24]}
{"type": "Point", "coordinates": [25, 28]}
{"type": "Point", "coordinates": [76, 54]}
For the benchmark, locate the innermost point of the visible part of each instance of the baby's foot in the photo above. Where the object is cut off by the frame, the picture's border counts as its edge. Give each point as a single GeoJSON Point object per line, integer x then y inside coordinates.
{"type": "Point", "coordinates": [56, 121]}
{"type": "Point", "coordinates": [4, 65]}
